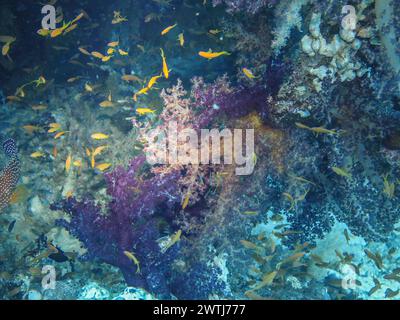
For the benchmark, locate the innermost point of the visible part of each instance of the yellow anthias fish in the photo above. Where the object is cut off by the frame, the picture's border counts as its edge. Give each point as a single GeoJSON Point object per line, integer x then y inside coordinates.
{"type": "Point", "coordinates": [301, 179]}
{"type": "Point", "coordinates": [214, 31]}
{"type": "Point", "coordinates": [106, 104]}
{"type": "Point", "coordinates": [98, 150]}
{"type": "Point", "coordinates": [341, 172]}
{"type": "Point", "coordinates": [31, 128]}
{"type": "Point", "coordinates": [55, 151]}
{"type": "Point", "coordinates": [165, 66]}
{"type": "Point", "coordinates": [92, 161]}
{"type": "Point", "coordinates": [105, 58]}
{"type": "Point", "coordinates": [69, 29]}
{"type": "Point", "coordinates": [103, 166]}
{"type": "Point", "coordinates": [388, 187]}
{"type": "Point", "coordinates": [97, 54]}
{"type": "Point", "coordinates": [54, 127]}
{"type": "Point", "coordinates": [143, 111]}
{"type": "Point", "coordinates": [69, 194]}
{"type": "Point", "coordinates": [77, 163]}
{"type": "Point", "coordinates": [291, 199]}
{"type": "Point", "coordinates": [59, 15]}
{"type": "Point", "coordinates": [20, 92]}
{"type": "Point", "coordinates": [266, 280]}
{"type": "Point", "coordinates": [99, 136]}
{"type": "Point", "coordinates": [60, 134]}
{"type": "Point", "coordinates": [181, 39]}
{"type": "Point", "coordinates": [211, 55]}
{"type": "Point", "coordinates": [39, 81]}
{"type": "Point", "coordinates": [113, 44]}
{"type": "Point", "coordinates": [110, 51]}
{"type": "Point", "coordinates": [14, 98]}
{"type": "Point", "coordinates": [88, 87]}
{"type": "Point", "coordinates": [118, 18]}
{"type": "Point", "coordinates": [5, 49]}
{"type": "Point", "coordinates": [122, 52]}
{"type": "Point", "coordinates": [302, 125]}
{"type": "Point", "coordinates": [44, 32]}
{"type": "Point", "coordinates": [185, 201]}
{"type": "Point", "coordinates": [248, 73]}
{"type": "Point", "coordinates": [250, 213]}
{"type": "Point", "coordinates": [78, 17]}
{"type": "Point", "coordinates": [152, 16]}
{"type": "Point", "coordinates": [153, 81]}
{"type": "Point", "coordinates": [8, 40]}
{"type": "Point", "coordinates": [39, 107]}
{"type": "Point", "coordinates": [68, 163]}
{"type": "Point", "coordinates": [73, 79]}
{"type": "Point", "coordinates": [168, 29]}
{"type": "Point", "coordinates": [84, 51]}
{"type": "Point", "coordinates": [132, 257]}
{"type": "Point", "coordinates": [174, 239]}
{"type": "Point", "coordinates": [316, 130]}
{"type": "Point", "coordinates": [141, 91]}
{"type": "Point", "coordinates": [131, 77]}
{"type": "Point", "coordinates": [56, 32]}
{"type": "Point", "coordinates": [59, 48]}
{"type": "Point", "coordinates": [37, 154]}
{"type": "Point", "coordinates": [5, 39]}
{"type": "Point", "coordinates": [248, 244]}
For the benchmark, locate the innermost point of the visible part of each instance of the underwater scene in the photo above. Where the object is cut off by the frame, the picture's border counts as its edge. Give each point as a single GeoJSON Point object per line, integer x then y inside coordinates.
{"type": "Point", "coordinates": [200, 150]}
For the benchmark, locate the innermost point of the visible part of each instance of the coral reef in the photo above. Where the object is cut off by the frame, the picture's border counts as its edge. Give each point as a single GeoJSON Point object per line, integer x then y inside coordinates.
{"type": "Point", "coordinates": [317, 218]}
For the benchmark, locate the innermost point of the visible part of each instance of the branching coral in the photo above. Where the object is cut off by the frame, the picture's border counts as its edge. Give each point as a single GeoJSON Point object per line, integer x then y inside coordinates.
{"type": "Point", "coordinates": [178, 109]}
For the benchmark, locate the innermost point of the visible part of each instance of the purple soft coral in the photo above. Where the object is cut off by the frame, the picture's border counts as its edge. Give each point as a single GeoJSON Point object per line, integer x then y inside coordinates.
{"type": "Point", "coordinates": [134, 197]}
{"type": "Point", "coordinates": [141, 198]}
{"type": "Point", "coordinates": [128, 225]}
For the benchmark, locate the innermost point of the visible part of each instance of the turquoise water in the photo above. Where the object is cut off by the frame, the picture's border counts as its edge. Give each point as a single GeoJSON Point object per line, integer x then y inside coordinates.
{"type": "Point", "coordinates": [232, 149]}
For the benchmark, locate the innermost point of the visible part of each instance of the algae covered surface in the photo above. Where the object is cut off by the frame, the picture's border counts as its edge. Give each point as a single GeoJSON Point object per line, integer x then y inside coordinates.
{"type": "Point", "coordinates": [199, 149]}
